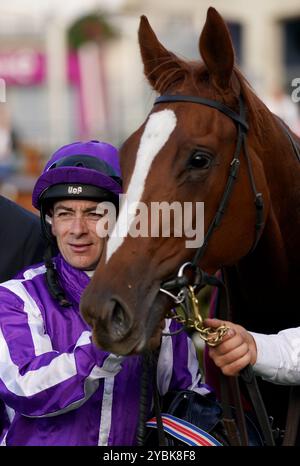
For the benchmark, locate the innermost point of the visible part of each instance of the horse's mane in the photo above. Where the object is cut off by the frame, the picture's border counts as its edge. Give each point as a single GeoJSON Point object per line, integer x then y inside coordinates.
{"type": "Point", "coordinates": [258, 113]}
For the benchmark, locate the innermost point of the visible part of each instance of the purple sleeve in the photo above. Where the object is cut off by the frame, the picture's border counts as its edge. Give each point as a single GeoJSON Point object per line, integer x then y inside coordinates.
{"type": "Point", "coordinates": [36, 380]}
{"type": "Point", "coordinates": [178, 366]}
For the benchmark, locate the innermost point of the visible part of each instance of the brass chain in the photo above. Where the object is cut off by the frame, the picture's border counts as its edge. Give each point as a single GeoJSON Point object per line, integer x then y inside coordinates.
{"type": "Point", "coordinates": [212, 336]}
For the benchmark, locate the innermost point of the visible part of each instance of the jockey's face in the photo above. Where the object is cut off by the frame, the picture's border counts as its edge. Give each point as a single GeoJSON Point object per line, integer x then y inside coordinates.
{"type": "Point", "coordinates": [74, 226]}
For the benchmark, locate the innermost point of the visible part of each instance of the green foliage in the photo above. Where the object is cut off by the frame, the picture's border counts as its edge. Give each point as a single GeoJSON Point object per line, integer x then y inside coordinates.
{"type": "Point", "coordinates": [93, 27]}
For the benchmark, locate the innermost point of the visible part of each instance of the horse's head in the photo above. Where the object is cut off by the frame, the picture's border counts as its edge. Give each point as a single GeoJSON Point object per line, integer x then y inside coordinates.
{"type": "Point", "coordinates": [184, 152]}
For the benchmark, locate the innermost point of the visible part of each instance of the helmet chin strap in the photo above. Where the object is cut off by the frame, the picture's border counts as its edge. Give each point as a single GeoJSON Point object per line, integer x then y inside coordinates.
{"type": "Point", "coordinates": [45, 225]}
{"type": "Point", "coordinates": [51, 275]}
{"type": "Point", "coordinates": [51, 278]}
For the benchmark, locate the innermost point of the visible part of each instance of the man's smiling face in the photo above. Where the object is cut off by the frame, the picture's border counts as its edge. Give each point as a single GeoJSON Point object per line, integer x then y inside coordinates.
{"type": "Point", "coordinates": [74, 226]}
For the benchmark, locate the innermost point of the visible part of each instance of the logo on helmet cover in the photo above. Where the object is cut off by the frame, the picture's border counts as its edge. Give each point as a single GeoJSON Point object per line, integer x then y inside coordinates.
{"type": "Point", "coordinates": [73, 190]}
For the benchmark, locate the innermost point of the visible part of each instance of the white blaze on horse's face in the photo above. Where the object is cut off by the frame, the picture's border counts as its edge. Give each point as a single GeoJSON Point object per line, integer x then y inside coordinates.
{"type": "Point", "coordinates": [157, 132]}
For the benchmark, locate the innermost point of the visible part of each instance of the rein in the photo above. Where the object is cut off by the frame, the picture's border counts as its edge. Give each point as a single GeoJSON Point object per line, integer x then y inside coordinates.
{"type": "Point", "coordinates": [186, 295]}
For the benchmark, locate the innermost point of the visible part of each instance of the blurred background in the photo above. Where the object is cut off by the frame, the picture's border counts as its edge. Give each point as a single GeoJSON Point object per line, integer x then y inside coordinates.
{"type": "Point", "coordinates": [72, 70]}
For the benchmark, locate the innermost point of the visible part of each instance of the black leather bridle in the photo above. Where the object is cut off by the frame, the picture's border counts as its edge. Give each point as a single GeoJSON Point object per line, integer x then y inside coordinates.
{"type": "Point", "coordinates": [200, 277]}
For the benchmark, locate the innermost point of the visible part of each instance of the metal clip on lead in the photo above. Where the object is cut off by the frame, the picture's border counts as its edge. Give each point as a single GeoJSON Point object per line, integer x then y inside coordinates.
{"type": "Point", "coordinates": [212, 336]}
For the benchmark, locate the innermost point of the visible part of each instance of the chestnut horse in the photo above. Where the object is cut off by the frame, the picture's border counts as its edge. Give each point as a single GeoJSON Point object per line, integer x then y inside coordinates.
{"type": "Point", "coordinates": [208, 138]}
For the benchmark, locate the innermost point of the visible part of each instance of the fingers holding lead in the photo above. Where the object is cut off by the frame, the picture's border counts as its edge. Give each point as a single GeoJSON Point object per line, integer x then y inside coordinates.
{"type": "Point", "coordinates": [215, 323]}
{"type": "Point", "coordinates": [228, 357]}
{"type": "Point", "coordinates": [236, 366]}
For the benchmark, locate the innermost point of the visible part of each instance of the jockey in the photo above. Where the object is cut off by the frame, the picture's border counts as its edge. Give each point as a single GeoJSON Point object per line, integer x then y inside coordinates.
{"type": "Point", "coordinates": [59, 388]}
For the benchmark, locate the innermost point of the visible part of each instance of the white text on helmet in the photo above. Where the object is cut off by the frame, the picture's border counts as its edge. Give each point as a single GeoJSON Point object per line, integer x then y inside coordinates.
{"type": "Point", "coordinates": [73, 190]}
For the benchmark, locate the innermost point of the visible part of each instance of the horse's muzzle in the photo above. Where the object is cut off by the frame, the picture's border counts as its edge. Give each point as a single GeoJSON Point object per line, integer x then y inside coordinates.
{"type": "Point", "coordinates": [113, 329]}
{"type": "Point", "coordinates": [120, 321]}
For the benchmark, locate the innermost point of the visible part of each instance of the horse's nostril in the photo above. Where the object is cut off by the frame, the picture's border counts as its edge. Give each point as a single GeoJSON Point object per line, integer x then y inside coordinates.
{"type": "Point", "coordinates": [120, 320]}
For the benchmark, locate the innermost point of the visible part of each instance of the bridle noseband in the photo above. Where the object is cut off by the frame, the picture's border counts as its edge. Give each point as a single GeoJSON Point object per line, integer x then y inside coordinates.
{"type": "Point", "coordinates": [201, 278]}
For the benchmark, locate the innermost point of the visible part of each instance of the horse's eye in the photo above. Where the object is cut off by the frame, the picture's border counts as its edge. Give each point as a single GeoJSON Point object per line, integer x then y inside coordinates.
{"type": "Point", "coordinates": [200, 160]}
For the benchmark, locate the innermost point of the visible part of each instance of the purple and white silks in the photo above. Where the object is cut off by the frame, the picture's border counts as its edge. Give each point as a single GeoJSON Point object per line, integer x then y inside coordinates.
{"type": "Point", "coordinates": [59, 387]}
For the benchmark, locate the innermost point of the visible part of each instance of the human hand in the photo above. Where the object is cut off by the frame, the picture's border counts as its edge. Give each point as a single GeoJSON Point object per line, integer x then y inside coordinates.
{"type": "Point", "coordinates": [237, 349]}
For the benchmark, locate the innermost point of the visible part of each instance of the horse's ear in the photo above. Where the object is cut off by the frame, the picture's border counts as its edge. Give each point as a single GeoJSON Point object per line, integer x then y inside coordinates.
{"type": "Point", "coordinates": [156, 58]}
{"type": "Point", "coordinates": [216, 49]}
